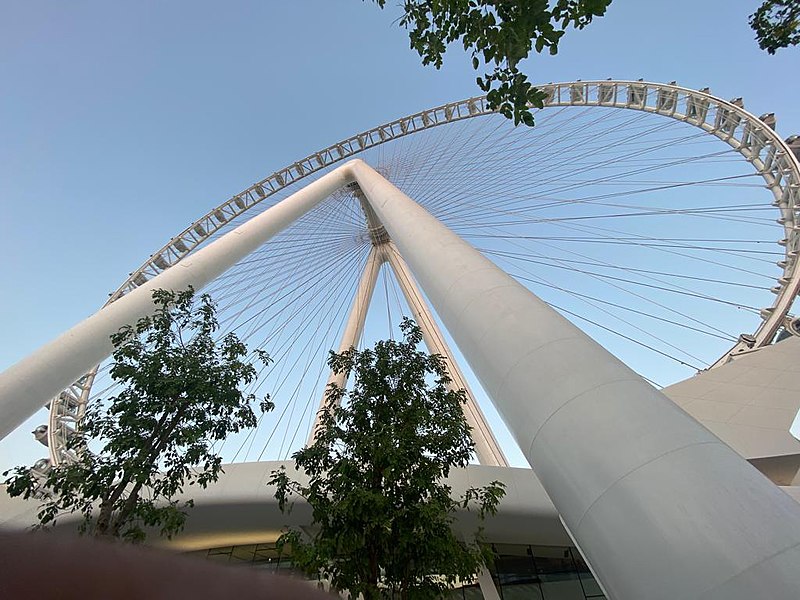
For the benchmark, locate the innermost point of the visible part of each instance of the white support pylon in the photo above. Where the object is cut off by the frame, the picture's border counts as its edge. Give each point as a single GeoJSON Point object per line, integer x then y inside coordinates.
{"type": "Point", "coordinates": [354, 328]}
{"type": "Point", "coordinates": [660, 507]}
{"type": "Point", "coordinates": [486, 447]}
{"type": "Point", "coordinates": [27, 385]}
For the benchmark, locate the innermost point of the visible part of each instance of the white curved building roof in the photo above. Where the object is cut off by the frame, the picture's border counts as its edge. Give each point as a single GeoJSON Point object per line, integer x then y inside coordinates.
{"type": "Point", "coordinates": [749, 403]}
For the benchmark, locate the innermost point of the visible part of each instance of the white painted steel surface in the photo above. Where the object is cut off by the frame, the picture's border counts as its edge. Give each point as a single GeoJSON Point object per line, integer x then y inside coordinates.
{"type": "Point", "coordinates": [750, 402]}
{"type": "Point", "coordinates": [354, 327]}
{"type": "Point", "coordinates": [33, 381]}
{"type": "Point", "coordinates": [241, 508]}
{"type": "Point", "coordinates": [661, 507]}
{"type": "Point", "coordinates": [486, 447]}
{"type": "Point", "coordinates": [754, 138]}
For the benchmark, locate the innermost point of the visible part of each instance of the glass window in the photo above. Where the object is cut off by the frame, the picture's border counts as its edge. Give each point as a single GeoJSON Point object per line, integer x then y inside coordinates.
{"type": "Point", "coordinates": [220, 554]}
{"type": "Point", "coordinates": [265, 553]}
{"type": "Point", "coordinates": [243, 553]}
{"type": "Point", "coordinates": [456, 594]}
{"type": "Point", "coordinates": [519, 572]}
{"type": "Point", "coordinates": [511, 549]}
{"type": "Point", "coordinates": [284, 564]}
{"type": "Point", "coordinates": [472, 592]}
{"type": "Point", "coordinates": [516, 576]}
{"type": "Point", "coordinates": [553, 559]}
{"type": "Point", "coordinates": [580, 563]}
{"type": "Point", "coordinates": [566, 588]}
{"type": "Point", "coordinates": [590, 587]}
{"type": "Point", "coordinates": [522, 591]}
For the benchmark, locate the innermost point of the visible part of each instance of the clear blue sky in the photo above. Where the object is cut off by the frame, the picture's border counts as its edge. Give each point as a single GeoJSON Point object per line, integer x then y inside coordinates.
{"type": "Point", "coordinates": [120, 123]}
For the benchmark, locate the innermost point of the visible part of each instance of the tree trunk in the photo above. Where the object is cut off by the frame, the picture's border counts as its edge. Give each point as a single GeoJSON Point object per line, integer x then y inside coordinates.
{"type": "Point", "coordinates": [108, 525]}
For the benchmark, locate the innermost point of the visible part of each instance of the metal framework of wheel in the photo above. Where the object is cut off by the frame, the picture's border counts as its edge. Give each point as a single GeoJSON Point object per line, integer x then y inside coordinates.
{"type": "Point", "coordinates": [628, 472]}
{"type": "Point", "coordinates": [752, 137]}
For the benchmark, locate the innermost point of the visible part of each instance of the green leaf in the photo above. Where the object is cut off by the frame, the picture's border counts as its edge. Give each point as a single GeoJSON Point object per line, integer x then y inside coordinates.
{"type": "Point", "coordinates": [181, 391]}
{"type": "Point", "coordinates": [502, 32]}
{"type": "Point", "coordinates": [376, 474]}
{"type": "Point", "coordinates": [777, 24]}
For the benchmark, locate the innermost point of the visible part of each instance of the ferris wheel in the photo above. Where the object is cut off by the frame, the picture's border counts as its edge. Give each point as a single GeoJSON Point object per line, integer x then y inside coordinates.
{"type": "Point", "coordinates": [659, 219]}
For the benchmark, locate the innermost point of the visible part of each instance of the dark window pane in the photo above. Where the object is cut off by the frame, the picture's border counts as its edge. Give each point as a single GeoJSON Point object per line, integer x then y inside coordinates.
{"type": "Point", "coordinates": [284, 564]}
{"type": "Point", "coordinates": [514, 568]}
{"type": "Point", "coordinates": [580, 563]}
{"type": "Point", "coordinates": [522, 591]}
{"type": "Point", "coordinates": [590, 587]}
{"type": "Point", "coordinates": [266, 552]}
{"type": "Point", "coordinates": [511, 549]}
{"type": "Point", "coordinates": [222, 557]}
{"type": "Point", "coordinates": [552, 559]}
{"type": "Point", "coordinates": [243, 553]}
{"type": "Point", "coordinates": [472, 592]}
{"type": "Point", "coordinates": [565, 589]}
{"type": "Point", "coordinates": [456, 594]}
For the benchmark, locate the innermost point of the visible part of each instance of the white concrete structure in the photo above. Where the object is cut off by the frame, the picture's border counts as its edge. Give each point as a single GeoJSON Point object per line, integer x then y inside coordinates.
{"type": "Point", "coordinates": [354, 328]}
{"type": "Point", "coordinates": [486, 446]}
{"type": "Point", "coordinates": [625, 467]}
{"type": "Point", "coordinates": [659, 505]}
{"type": "Point", "coordinates": [487, 449]}
{"type": "Point", "coordinates": [241, 509]}
{"type": "Point", "coordinates": [658, 467]}
{"type": "Point", "coordinates": [750, 404]}
{"type": "Point", "coordinates": [53, 367]}
{"type": "Point", "coordinates": [751, 137]}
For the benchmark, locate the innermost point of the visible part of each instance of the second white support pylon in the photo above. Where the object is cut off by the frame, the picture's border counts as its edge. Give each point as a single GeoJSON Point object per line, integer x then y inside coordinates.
{"type": "Point", "coordinates": [659, 506]}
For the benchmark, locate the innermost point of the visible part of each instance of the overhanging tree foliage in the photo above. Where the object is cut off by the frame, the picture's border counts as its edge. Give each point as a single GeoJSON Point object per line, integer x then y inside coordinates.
{"type": "Point", "coordinates": [382, 512]}
{"type": "Point", "coordinates": [182, 392]}
{"type": "Point", "coordinates": [497, 34]}
{"type": "Point", "coordinates": [777, 24]}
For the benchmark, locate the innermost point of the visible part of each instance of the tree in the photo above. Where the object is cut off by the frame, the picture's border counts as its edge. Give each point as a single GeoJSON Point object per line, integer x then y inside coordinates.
{"type": "Point", "coordinates": [777, 24]}
{"type": "Point", "coordinates": [382, 512]}
{"type": "Point", "coordinates": [182, 392]}
{"type": "Point", "coordinates": [497, 34]}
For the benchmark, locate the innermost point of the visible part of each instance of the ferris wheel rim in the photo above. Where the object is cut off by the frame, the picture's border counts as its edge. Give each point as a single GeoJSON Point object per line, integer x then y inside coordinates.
{"type": "Point", "coordinates": [749, 135]}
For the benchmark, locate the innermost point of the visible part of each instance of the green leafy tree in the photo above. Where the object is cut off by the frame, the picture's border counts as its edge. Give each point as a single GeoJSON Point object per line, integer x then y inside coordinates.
{"type": "Point", "coordinates": [777, 24]}
{"type": "Point", "coordinates": [181, 393]}
{"type": "Point", "coordinates": [497, 34]}
{"type": "Point", "coordinates": [382, 512]}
